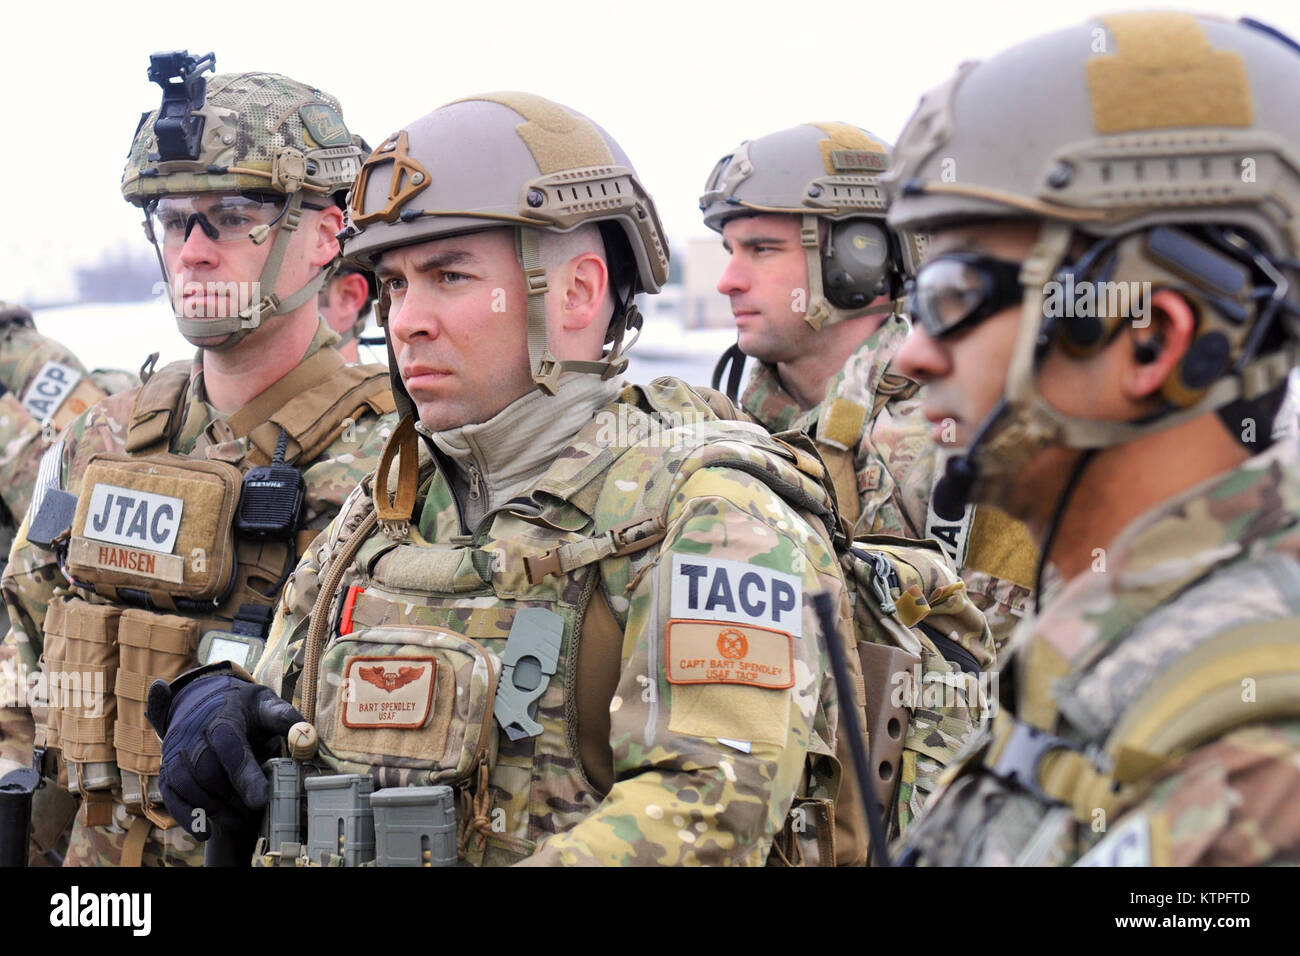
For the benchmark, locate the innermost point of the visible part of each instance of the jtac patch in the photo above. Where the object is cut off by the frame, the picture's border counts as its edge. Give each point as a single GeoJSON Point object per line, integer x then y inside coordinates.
{"type": "Point", "coordinates": [324, 125]}
{"type": "Point", "coordinates": [717, 589]}
{"type": "Point", "coordinates": [137, 519]}
{"type": "Point", "coordinates": [388, 692]}
{"type": "Point", "coordinates": [705, 652]}
{"type": "Point", "coordinates": [47, 391]}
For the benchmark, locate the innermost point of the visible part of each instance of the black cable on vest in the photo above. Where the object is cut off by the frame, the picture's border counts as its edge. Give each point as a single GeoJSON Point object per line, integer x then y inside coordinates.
{"type": "Point", "coordinates": [1054, 523]}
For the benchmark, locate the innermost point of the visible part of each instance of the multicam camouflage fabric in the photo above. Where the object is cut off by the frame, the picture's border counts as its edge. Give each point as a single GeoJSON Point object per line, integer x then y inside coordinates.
{"type": "Point", "coordinates": [895, 460]}
{"type": "Point", "coordinates": [701, 772]}
{"type": "Point", "coordinates": [33, 577]}
{"type": "Point", "coordinates": [1221, 558]}
{"type": "Point", "coordinates": [274, 112]}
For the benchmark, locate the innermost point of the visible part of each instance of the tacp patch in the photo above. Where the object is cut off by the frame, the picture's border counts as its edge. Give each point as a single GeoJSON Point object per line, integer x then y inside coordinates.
{"type": "Point", "coordinates": [734, 592]}
{"type": "Point", "coordinates": [705, 652]}
{"type": "Point", "coordinates": [48, 390]}
{"type": "Point", "coordinates": [388, 692]}
{"type": "Point", "coordinates": [953, 536]}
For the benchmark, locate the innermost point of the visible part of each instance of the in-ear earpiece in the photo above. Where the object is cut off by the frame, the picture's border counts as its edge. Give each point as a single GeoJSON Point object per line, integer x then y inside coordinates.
{"type": "Point", "coordinates": [1147, 351]}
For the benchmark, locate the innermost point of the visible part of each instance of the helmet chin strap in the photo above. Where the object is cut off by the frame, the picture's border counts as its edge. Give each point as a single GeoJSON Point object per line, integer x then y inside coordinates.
{"type": "Point", "coordinates": [546, 368]}
{"type": "Point", "coordinates": [237, 327]}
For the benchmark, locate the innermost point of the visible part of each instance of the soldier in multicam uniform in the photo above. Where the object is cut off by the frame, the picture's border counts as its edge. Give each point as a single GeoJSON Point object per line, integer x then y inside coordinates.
{"type": "Point", "coordinates": [815, 280]}
{"type": "Point", "coordinates": [43, 387]}
{"type": "Point", "coordinates": [1108, 312]}
{"type": "Point", "coordinates": [626, 541]}
{"type": "Point", "coordinates": [243, 184]}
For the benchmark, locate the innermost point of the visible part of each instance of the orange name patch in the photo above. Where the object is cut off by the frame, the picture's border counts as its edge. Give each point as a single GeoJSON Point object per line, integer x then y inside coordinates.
{"type": "Point", "coordinates": [388, 692]}
{"type": "Point", "coordinates": [714, 652]}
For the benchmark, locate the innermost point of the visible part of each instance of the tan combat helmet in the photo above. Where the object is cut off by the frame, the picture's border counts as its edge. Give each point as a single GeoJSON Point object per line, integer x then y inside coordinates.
{"type": "Point", "coordinates": [820, 171]}
{"type": "Point", "coordinates": [511, 159]}
{"type": "Point", "coordinates": [1165, 143]}
{"type": "Point", "coordinates": [259, 133]}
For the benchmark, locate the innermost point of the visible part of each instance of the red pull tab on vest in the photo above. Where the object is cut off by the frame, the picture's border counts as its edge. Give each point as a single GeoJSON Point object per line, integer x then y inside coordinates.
{"type": "Point", "coordinates": [349, 602]}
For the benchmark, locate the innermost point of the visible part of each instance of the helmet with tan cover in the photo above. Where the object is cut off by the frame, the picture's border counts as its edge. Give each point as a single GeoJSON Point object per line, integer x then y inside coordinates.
{"type": "Point", "coordinates": [513, 159]}
{"type": "Point", "coordinates": [1155, 148]}
{"type": "Point", "coordinates": [261, 134]}
{"type": "Point", "coordinates": [820, 172]}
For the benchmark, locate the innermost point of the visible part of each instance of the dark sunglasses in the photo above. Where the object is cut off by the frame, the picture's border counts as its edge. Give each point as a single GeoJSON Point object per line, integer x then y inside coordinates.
{"type": "Point", "coordinates": [958, 290]}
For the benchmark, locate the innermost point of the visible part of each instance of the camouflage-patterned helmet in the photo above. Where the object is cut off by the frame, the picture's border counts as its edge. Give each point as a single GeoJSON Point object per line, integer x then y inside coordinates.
{"type": "Point", "coordinates": [241, 132]}
{"type": "Point", "coordinates": [510, 159]}
{"type": "Point", "coordinates": [1169, 139]}
{"type": "Point", "coordinates": [819, 171]}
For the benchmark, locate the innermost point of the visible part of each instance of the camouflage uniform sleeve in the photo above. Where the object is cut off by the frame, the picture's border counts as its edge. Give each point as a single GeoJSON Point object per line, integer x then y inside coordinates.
{"type": "Point", "coordinates": [1233, 802]}
{"type": "Point", "coordinates": [22, 443]}
{"type": "Point", "coordinates": [17, 729]}
{"type": "Point", "coordinates": [705, 772]}
{"type": "Point", "coordinates": [33, 573]}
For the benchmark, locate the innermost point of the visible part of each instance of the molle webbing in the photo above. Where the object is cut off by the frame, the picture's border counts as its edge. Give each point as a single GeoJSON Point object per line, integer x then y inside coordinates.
{"type": "Point", "coordinates": [85, 638]}
{"type": "Point", "coordinates": [152, 647]}
{"type": "Point", "coordinates": [156, 414]}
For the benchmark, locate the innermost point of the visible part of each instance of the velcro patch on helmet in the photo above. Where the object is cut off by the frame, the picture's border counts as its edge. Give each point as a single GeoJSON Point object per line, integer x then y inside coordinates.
{"type": "Point", "coordinates": [1164, 74]}
{"type": "Point", "coordinates": [324, 125]}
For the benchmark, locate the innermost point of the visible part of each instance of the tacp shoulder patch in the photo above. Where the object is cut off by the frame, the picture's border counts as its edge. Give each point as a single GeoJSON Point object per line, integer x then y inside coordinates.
{"type": "Point", "coordinates": [48, 389]}
{"type": "Point", "coordinates": [734, 592]}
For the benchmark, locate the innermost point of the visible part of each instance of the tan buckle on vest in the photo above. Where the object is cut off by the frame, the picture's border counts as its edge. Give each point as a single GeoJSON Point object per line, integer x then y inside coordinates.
{"type": "Point", "coordinates": [540, 566]}
{"type": "Point", "coordinates": [627, 538]}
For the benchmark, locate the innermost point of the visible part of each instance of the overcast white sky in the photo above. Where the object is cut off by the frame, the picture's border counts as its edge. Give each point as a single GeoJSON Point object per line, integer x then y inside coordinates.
{"type": "Point", "coordinates": [677, 83]}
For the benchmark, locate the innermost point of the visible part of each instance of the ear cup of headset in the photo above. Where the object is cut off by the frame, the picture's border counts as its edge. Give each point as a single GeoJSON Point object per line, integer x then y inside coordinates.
{"type": "Point", "coordinates": [856, 263]}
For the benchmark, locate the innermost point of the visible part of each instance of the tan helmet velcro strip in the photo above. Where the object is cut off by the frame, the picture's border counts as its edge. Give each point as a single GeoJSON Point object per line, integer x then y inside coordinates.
{"type": "Point", "coordinates": [1164, 74]}
{"type": "Point", "coordinates": [843, 137]}
{"type": "Point", "coordinates": [557, 139]}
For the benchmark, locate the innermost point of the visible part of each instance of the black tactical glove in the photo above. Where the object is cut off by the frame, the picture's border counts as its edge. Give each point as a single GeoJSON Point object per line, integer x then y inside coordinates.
{"type": "Point", "coordinates": [217, 728]}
